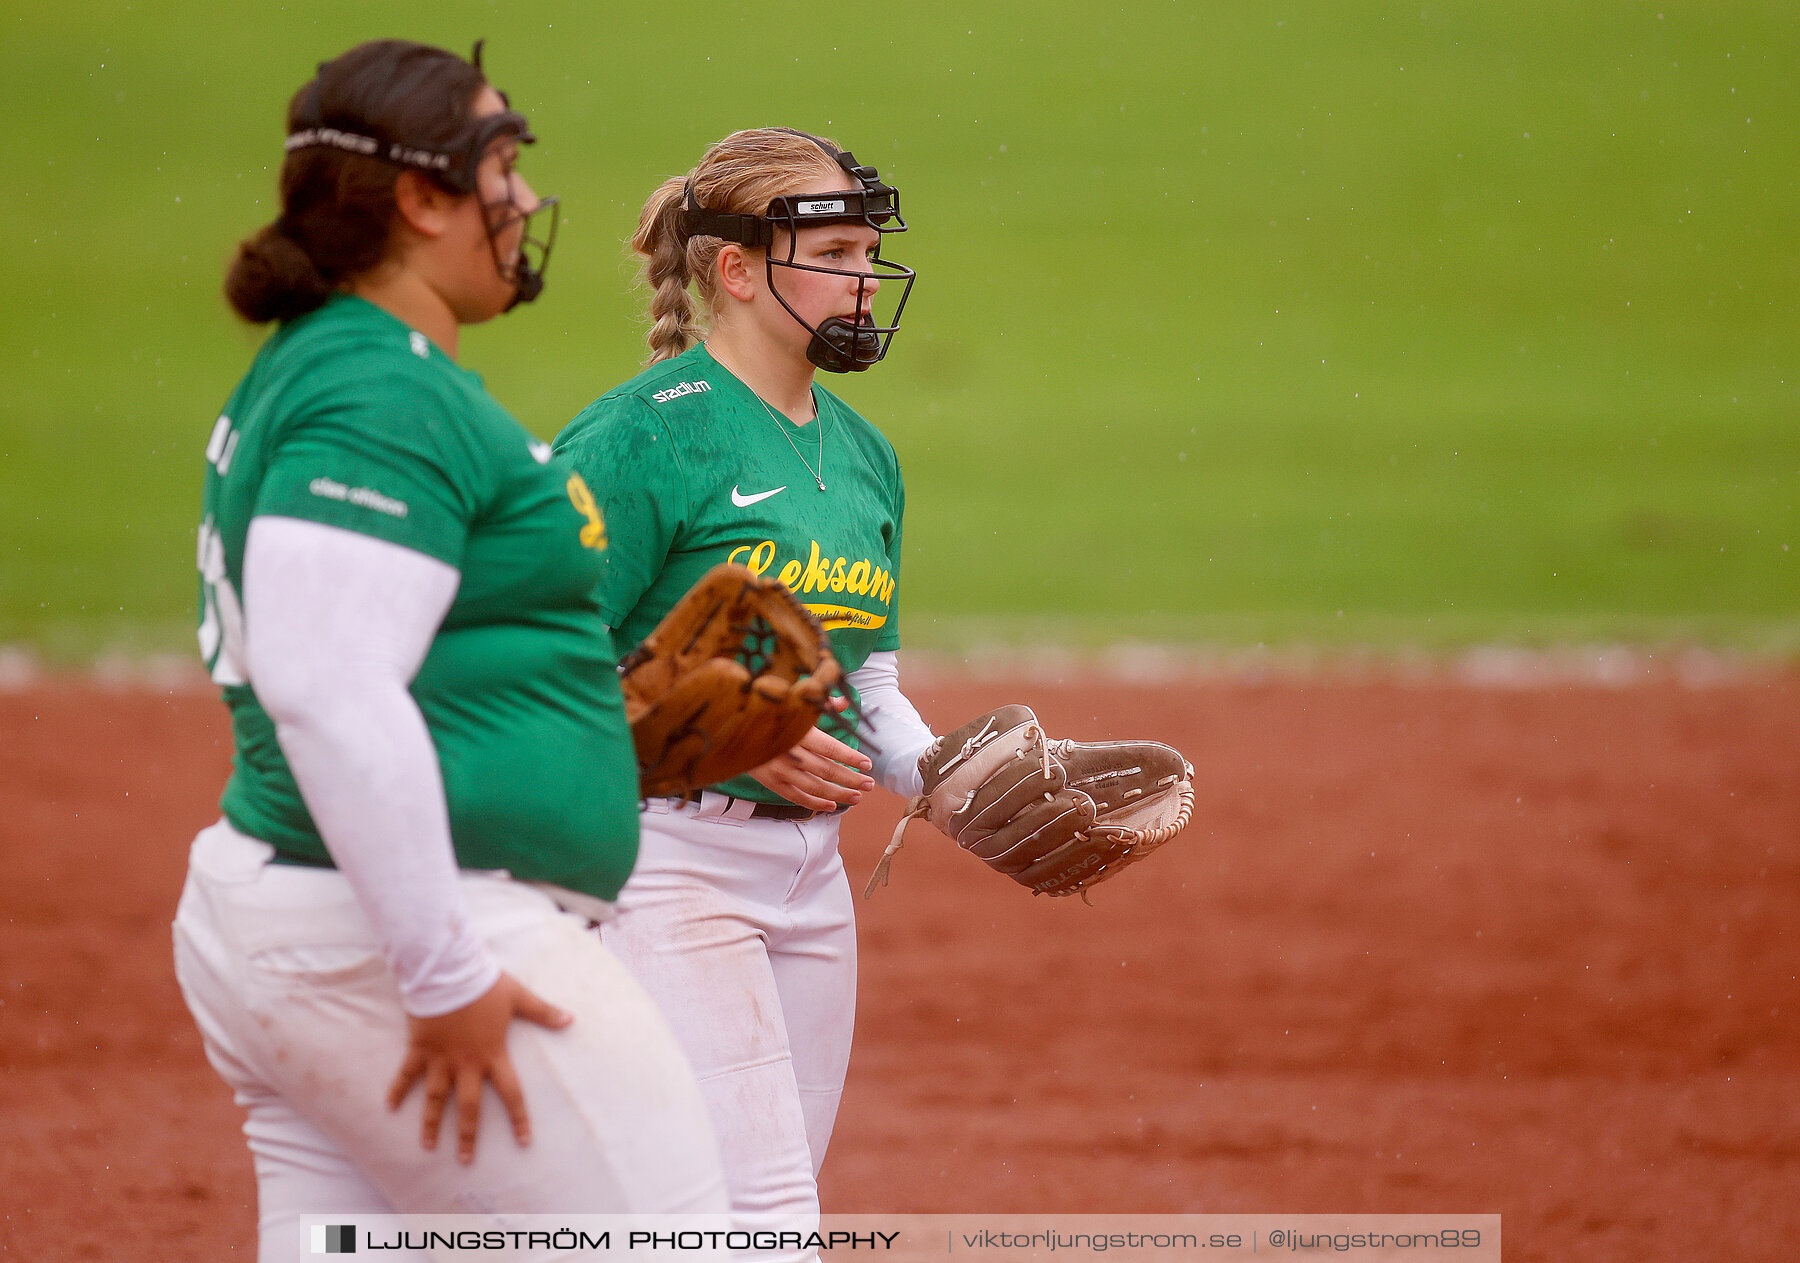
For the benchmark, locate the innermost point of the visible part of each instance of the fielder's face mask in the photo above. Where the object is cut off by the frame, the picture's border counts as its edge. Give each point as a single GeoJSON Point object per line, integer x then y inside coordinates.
{"type": "Point", "coordinates": [838, 345]}
{"type": "Point", "coordinates": [457, 168]}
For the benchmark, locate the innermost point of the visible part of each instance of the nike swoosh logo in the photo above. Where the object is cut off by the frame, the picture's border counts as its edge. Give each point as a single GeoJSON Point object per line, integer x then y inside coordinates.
{"type": "Point", "coordinates": [743, 501]}
{"type": "Point", "coordinates": [540, 452]}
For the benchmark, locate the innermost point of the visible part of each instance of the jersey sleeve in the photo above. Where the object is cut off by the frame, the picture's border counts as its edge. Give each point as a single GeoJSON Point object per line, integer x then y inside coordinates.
{"type": "Point", "coordinates": [889, 640]}
{"type": "Point", "coordinates": [388, 460]}
{"type": "Point", "coordinates": [628, 458]}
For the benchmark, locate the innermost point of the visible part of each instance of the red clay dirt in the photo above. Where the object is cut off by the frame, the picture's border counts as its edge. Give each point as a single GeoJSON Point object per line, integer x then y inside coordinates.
{"type": "Point", "coordinates": [1426, 948]}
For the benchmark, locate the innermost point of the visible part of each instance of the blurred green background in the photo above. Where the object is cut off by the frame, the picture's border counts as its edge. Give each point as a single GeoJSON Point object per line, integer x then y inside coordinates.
{"type": "Point", "coordinates": [1400, 325]}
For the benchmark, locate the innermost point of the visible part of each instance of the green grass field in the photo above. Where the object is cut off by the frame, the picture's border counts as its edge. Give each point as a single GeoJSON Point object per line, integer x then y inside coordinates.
{"type": "Point", "coordinates": [1306, 322]}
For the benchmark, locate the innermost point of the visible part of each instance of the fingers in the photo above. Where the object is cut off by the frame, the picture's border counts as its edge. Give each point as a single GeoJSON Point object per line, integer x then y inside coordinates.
{"type": "Point", "coordinates": [820, 784]}
{"type": "Point", "coordinates": [533, 1008]}
{"type": "Point", "coordinates": [506, 1083]}
{"type": "Point", "coordinates": [468, 1110]}
{"type": "Point", "coordinates": [820, 773]}
{"type": "Point", "coordinates": [830, 769]}
{"type": "Point", "coordinates": [455, 1053]}
{"type": "Point", "coordinates": [820, 746]}
{"type": "Point", "coordinates": [438, 1081]}
{"type": "Point", "coordinates": [813, 798]}
{"type": "Point", "coordinates": [782, 775]}
{"type": "Point", "coordinates": [411, 1071]}
{"type": "Point", "coordinates": [831, 775]}
{"type": "Point", "coordinates": [465, 1084]}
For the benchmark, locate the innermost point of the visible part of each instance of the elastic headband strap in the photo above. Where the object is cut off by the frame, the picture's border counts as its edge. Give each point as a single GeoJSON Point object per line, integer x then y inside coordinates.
{"type": "Point", "coordinates": [871, 202]}
{"type": "Point", "coordinates": [746, 230]}
{"type": "Point", "coordinates": [353, 142]}
{"type": "Point", "coordinates": [458, 168]}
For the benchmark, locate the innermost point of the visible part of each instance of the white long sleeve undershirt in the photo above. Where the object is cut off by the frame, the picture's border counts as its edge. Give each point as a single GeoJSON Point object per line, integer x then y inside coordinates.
{"type": "Point", "coordinates": [891, 722]}
{"type": "Point", "coordinates": [336, 624]}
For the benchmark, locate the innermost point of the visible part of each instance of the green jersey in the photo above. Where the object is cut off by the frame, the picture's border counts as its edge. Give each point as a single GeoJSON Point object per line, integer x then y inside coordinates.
{"type": "Point", "coordinates": [351, 419]}
{"type": "Point", "coordinates": [692, 469]}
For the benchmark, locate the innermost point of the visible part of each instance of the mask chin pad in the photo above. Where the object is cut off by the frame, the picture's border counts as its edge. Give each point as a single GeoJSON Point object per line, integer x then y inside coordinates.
{"type": "Point", "coordinates": [838, 346]}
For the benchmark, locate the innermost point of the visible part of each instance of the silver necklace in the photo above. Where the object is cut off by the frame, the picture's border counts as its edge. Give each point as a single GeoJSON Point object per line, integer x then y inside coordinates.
{"type": "Point", "coordinates": [819, 473]}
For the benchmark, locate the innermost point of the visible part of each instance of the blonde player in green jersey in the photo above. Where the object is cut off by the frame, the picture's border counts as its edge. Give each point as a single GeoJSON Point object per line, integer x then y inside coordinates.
{"type": "Point", "coordinates": [739, 919]}
{"type": "Point", "coordinates": [434, 792]}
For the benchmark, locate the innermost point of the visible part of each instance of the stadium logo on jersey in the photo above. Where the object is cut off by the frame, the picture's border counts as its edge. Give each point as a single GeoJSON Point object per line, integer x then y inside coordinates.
{"type": "Point", "coordinates": [681, 388]}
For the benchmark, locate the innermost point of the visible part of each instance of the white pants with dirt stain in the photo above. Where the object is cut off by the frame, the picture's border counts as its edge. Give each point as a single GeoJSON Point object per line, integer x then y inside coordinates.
{"type": "Point", "coordinates": [301, 1016]}
{"type": "Point", "coordinates": [743, 931]}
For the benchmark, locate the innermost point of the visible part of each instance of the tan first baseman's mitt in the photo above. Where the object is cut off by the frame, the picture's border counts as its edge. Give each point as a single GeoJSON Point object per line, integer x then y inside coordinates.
{"type": "Point", "coordinates": [732, 676]}
{"type": "Point", "coordinates": [1057, 816]}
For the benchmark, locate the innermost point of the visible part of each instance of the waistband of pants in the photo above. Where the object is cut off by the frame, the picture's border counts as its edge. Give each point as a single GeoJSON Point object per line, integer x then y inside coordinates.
{"type": "Point", "coordinates": [707, 803]}
{"type": "Point", "coordinates": [593, 908]}
{"type": "Point", "coordinates": [299, 861]}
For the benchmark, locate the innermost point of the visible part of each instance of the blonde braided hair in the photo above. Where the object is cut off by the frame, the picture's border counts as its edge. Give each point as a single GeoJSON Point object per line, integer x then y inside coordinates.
{"type": "Point", "coordinates": [740, 175]}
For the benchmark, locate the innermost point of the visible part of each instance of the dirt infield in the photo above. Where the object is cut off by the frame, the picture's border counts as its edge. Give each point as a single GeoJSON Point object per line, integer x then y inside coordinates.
{"type": "Point", "coordinates": [1427, 949]}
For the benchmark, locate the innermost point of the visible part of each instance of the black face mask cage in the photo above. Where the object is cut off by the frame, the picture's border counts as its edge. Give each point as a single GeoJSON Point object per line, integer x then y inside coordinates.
{"type": "Point", "coordinates": [457, 168]}
{"type": "Point", "coordinates": [838, 345]}
{"type": "Point", "coordinates": [526, 273]}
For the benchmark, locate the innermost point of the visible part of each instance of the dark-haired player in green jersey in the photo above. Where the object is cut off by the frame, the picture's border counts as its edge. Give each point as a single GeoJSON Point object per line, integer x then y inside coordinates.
{"type": "Point", "coordinates": [432, 767]}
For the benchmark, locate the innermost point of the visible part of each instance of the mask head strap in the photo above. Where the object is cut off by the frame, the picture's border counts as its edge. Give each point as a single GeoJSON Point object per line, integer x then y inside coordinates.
{"type": "Point", "coordinates": [454, 165]}
{"type": "Point", "coordinates": [868, 201]}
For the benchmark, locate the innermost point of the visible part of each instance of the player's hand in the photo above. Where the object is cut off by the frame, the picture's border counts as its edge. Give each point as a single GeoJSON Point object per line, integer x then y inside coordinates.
{"type": "Point", "coordinates": [456, 1052]}
{"type": "Point", "coordinates": [820, 772]}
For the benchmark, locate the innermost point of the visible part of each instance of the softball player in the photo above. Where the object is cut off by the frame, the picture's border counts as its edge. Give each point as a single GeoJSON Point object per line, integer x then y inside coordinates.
{"type": "Point", "coordinates": [434, 789]}
{"type": "Point", "coordinates": [738, 919]}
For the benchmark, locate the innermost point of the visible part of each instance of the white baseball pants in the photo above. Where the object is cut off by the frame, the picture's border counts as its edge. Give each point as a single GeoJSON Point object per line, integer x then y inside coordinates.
{"type": "Point", "coordinates": [743, 931]}
{"type": "Point", "coordinates": [301, 1016]}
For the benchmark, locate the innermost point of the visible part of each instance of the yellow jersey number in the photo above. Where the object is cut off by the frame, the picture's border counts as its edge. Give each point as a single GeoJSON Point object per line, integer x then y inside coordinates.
{"type": "Point", "coordinates": [593, 535]}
